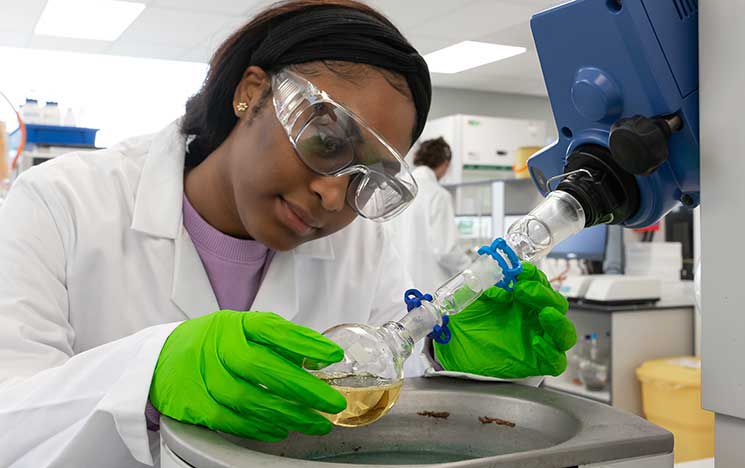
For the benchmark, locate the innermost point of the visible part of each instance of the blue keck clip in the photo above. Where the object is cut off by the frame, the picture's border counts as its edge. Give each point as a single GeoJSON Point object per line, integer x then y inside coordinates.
{"type": "Point", "coordinates": [509, 272]}
{"type": "Point", "coordinates": [440, 333]}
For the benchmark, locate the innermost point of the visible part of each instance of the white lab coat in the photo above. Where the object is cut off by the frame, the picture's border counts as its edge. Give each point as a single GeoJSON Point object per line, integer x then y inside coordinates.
{"type": "Point", "coordinates": [426, 234]}
{"type": "Point", "coordinates": [96, 270]}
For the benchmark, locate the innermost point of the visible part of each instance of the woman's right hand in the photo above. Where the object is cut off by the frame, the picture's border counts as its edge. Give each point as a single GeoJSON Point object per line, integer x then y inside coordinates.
{"type": "Point", "coordinates": [240, 373]}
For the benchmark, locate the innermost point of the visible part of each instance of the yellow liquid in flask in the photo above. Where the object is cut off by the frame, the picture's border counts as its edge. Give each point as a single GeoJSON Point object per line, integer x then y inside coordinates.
{"type": "Point", "coordinates": [368, 399]}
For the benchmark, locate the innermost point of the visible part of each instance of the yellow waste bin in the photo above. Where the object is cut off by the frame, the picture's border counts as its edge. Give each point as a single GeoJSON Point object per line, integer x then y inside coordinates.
{"type": "Point", "coordinates": [671, 396]}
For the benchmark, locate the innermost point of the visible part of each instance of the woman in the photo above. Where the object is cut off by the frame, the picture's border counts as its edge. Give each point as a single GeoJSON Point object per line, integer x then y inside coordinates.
{"type": "Point", "coordinates": [426, 233]}
{"type": "Point", "coordinates": [114, 263]}
{"type": "Point", "coordinates": [247, 203]}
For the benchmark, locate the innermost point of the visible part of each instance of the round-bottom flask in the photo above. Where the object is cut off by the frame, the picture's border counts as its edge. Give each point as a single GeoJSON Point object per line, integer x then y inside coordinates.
{"type": "Point", "coordinates": [371, 374]}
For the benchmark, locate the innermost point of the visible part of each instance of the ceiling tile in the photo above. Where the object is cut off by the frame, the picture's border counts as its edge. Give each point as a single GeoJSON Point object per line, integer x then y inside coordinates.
{"type": "Point", "coordinates": [156, 51]}
{"type": "Point", "coordinates": [172, 28]}
{"type": "Point", "coordinates": [232, 7]}
{"type": "Point", "coordinates": [426, 44]}
{"type": "Point", "coordinates": [476, 19]}
{"type": "Point", "coordinates": [517, 35]}
{"type": "Point", "coordinates": [203, 52]}
{"type": "Point", "coordinates": [66, 43]}
{"type": "Point", "coordinates": [20, 16]}
{"type": "Point", "coordinates": [408, 13]}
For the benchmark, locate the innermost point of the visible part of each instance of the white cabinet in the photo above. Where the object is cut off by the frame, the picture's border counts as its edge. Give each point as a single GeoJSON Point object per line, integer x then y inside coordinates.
{"type": "Point", "coordinates": [483, 147]}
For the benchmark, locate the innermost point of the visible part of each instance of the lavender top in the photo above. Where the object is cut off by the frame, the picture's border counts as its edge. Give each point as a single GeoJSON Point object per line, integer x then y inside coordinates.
{"type": "Point", "coordinates": [235, 267]}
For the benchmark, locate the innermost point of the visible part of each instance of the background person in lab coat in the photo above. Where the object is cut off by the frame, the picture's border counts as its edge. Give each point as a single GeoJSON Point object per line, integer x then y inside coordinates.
{"type": "Point", "coordinates": [426, 232]}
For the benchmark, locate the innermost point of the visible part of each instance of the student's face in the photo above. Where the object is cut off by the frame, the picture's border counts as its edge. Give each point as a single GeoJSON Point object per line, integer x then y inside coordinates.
{"type": "Point", "coordinates": [280, 201]}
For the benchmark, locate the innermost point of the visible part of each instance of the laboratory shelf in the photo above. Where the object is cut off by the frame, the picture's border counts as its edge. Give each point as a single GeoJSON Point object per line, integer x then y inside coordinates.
{"type": "Point", "coordinates": [577, 389]}
{"type": "Point", "coordinates": [629, 336]}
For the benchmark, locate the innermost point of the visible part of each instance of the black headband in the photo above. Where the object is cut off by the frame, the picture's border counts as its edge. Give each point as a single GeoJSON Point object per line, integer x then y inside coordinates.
{"type": "Point", "coordinates": [345, 34]}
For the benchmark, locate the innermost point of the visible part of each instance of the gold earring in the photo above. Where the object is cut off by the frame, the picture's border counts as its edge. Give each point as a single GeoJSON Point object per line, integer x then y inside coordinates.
{"type": "Point", "coordinates": [241, 107]}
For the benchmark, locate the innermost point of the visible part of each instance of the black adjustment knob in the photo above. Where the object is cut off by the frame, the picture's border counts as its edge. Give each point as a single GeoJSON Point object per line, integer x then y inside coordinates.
{"type": "Point", "coordinates": [639, 144]}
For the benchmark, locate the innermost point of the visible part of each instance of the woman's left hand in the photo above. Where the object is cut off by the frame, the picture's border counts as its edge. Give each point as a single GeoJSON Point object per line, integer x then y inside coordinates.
{"type": "Point", "coordinates": [511, 335]}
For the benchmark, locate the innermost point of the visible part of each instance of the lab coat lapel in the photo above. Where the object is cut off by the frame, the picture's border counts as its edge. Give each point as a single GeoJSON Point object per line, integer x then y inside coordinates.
{"type": "Point", "coordinates": [157, 208]}
{"type": "Point", "coordinates": [158, 212]}
{"type": "Point", "coordinates": [192, 291]}
{"type": "Point", "coordinates": [278, 292]}
{"type": "Point", "coordinates": [282, 291]}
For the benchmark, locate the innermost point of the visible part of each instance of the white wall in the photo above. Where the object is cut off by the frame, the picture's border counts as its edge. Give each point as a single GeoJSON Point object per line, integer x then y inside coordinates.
{"type": "Point", "coordinates": [448, 101]}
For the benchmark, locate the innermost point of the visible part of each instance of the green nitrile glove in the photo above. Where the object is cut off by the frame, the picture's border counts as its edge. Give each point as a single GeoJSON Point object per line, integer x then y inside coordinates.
{"type": "Point", "coordinates": [239, 372]}
{"type": "Point", "coordinates": [511, 335]}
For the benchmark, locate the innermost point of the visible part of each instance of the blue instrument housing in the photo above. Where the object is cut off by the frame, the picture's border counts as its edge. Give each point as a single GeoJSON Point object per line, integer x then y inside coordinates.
{"type": "Point", "coordinates": [603, 60]}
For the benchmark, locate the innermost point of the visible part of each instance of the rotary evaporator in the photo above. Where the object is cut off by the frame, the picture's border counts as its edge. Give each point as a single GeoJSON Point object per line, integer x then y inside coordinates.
{"type": "Point", "coordinates": [623, 86]}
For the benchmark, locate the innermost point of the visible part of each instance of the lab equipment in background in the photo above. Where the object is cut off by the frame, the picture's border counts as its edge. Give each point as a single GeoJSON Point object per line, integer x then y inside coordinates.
{"type": "Point", "coordinates": [679, 228]}
{"type": "Point", "coordinates": [484, 210]}
{"type": "Point", "coordinates": [44, 142]}
{"type": "Point", "coordinates": [627, 335]}
{"type": "Point", "coordinates": [588, 244]}
{"type": "Point", "coordinates": [593, 367]}
{"type": "Point", "coordinates": [484, 147]}
{"type": "Point", "coordinates": [662, 260]}
{"type": "Point", "coordinates": [69, 120]}
{"type": "Point", "coordinates": [50, 114]}
{"type": "Point", "coordinates": [671, 394]}
{"type": "Point", "coordinates": [520, 167]}
{"type": "Point", "coordinates": [574, 287]}
{"type": "Point", "coordinates": [614, 262]}
{"type": "Point", "coordinates": [611, 289]}
{"type": "Point", "coordinates": [574, 357]}
{"type": "Point", "coordinates": [31, 112]}
{"type": "Point", "coordinates": [623, 290]}
{"type": "Point", "coordinates": [587, 250]}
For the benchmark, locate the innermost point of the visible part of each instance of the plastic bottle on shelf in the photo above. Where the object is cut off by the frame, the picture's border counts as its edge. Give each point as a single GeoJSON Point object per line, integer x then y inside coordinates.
{"type": "Point", "coordinates": [31, 112]}
{"type": "Point", "coordinates": [593, 371]}
{"type": "Point", "coordinates": [69, 120]}
{"type": "Point", "coordinates": [575, 356]}
{"type": "Point", "coordinates": [51, 114]}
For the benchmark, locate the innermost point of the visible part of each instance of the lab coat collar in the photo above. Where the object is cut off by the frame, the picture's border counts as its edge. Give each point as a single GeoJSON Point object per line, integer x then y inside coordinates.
{"type": "Point", "coordinates": [192, 291]}
{"type": "Point", "coordinates": [281, 288]}
{"type": "Point", "coordinates": [159, 197]}
{"type": "Point", "coordinates": [424, 173]}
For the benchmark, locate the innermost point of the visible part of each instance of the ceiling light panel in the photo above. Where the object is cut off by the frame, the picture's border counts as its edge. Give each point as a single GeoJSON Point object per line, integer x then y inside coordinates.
{"type": "Point", "coordinates": [102, 20]}
{"type": "Point", "coordinates": [468, 54]}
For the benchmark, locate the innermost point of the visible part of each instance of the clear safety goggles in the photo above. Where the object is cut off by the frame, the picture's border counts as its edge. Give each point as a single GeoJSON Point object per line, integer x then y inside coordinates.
{"type": "Point", "coordinates": [333, 141]}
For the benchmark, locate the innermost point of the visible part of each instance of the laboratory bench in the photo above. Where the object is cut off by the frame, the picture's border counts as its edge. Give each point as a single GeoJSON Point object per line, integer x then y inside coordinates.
{"type": "Point", "coordinates": [637, 333]}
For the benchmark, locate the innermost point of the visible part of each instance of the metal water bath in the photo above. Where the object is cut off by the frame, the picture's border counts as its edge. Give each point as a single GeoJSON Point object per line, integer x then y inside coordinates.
{"type": "Point", "coordinates": [487, 424]}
